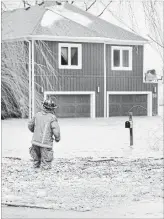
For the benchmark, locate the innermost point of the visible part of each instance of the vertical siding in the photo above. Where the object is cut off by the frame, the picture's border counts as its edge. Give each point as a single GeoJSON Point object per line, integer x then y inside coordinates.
{"type": "Point", "coordinates": [91, 74]}
{"type": "Point", "coordinates": [130, 80]}
{"type": "Point", "coordinates": [85, 79]}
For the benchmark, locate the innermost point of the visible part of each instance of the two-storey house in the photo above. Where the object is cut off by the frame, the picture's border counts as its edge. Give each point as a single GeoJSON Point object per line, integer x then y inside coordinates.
{"type": "Point", "coordinates": [98, 65]}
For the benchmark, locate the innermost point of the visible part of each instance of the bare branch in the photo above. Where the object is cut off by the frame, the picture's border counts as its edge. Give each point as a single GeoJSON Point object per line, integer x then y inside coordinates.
{"type": "Point", "coordinates": [86, 8]}
{"type": "Point", "coordinates": [134, 22]}
{"type": "Point", "coordinates": [121, 21]}
{"type": "Point", "coordinates": [104, 8]}
{"type": "Point", "coordinates": [91, 5]}
{"type": "Point", "coordinates": [25, 3]}
{"type": "Point", "coordinates": [3, 5]}
{"type": "Point", "coordinates": [155, 41]}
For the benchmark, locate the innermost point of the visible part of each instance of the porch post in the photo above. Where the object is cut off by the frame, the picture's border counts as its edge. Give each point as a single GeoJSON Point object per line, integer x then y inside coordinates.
{"type": "Point", "coordinates": [29, 42]}
{"type": "Point", "coordinates": [105, 94]}
{"type": "Point", "coordinates": [33, 85]}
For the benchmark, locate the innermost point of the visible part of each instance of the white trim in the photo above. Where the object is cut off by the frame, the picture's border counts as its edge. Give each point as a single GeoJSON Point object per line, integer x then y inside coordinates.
{"type": "Point", "coordinates": [91, 93]}
{"type": "Point", "coordinates": [33, 81]}
{"type": "Point", "coordinates": [89, 39]}
{"type": "Point", "coordinates": [69, 46]}
{"type": "Point", "coordinates": [149, 104]}
{"type": "Point", "coordinates": [79, 39]}
{"type": "Point", "coordinates": [105, 96]}
{"type": "Point", "coordinates": [148, 93]}
{"type": "Point", "coordinates": [29, 79]}
{"type": "Point", "coordinates": [143, 65]}
{"type": "Point", "coordinates": [121, 48]}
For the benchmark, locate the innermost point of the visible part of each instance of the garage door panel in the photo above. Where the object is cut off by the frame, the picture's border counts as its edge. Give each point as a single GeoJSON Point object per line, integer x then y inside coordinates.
{"type": "Point", "coordinates": [140, 98]}
{"type": "Point", "coordinates": [82, 99]}
{"type": "Point", "coordinates": [78, 115]}
{"type": "Point", "coordinates": [127, 98]}
{"type": "Point", "coordinates": [115, 99]}
{"type": "Point", "coordinates": [66, 109]}
{"type": "Point", "coordinates": [65, 115]}
{"type": "Point", "coordinates": [120, 105]}
{"type": "Point", "coordinates": [71, 106]}
{"type": "Point", "coordinates": [83, 108]}
{"type": "Point", "coordinates": [63, 99]}
{"type": "Point", "coordinates": [140, 111]}
{"type": "Point", "coordinates": [115, 110]}
{"type": "Point", "coordinates": [125, 108]}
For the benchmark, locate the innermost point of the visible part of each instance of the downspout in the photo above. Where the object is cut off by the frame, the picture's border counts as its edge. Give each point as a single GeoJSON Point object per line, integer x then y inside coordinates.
{"type": "Point", "coordinates": [105, 99]}
{"type": "Point", "coordinates": [33, 87]}
{"type": "Point", "coordinates": [29, 69]}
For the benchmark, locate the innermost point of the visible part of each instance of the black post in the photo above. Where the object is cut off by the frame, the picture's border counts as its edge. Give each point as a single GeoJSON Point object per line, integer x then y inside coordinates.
{"type": "Point", "coordinates": [131, 128]}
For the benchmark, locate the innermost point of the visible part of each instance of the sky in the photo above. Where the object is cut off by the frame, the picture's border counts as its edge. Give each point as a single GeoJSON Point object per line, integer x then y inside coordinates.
{"type": "Point", "coordinates": [152, 59]}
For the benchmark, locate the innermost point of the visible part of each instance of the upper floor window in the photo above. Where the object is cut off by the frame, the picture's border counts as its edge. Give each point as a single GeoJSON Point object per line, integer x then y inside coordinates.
{"type": "Point", "coordinates": [70, 56]}
{"type": "Point", "coordinates": [121, 58]}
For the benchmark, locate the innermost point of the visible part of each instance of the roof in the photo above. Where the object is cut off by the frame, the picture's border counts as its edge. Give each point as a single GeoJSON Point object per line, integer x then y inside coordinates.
{"type": "Point", "coordinates": [65, 20]}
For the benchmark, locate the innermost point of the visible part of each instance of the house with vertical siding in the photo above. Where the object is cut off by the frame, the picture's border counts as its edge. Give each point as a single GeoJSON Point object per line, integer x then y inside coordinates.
{"type": "Point", "coordinates": [98, 66]}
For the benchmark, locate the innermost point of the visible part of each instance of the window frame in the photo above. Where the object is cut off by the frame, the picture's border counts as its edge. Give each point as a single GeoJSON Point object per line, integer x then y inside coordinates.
{"type": "Point", "coordinates": [121, 48]}
{"type": "Point", "coordinates": [69, 46]}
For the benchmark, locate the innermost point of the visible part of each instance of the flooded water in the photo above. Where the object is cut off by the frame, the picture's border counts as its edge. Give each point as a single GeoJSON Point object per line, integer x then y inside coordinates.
{"type": "Point", "coordinates": [88, 137]}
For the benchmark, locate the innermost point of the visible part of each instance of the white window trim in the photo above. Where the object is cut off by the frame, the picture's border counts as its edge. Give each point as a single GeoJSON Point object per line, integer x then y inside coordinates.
{"type": "Point", "coordinates": [149, 99]}
{"type": "Point", "coordinates": [69, 66]}
{"type": "Point", "coordinates": [121, 48]}
{"type": "Point", "coordinates": [91, 93]}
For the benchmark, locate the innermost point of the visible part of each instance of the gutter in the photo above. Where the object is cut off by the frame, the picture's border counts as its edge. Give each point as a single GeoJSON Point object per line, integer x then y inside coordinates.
{"type": "Point", "coordinates": [78, 39]}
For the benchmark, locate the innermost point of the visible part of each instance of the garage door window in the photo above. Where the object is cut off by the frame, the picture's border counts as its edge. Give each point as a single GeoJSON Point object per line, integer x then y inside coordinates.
{"type": "Point", "coordinates": [70, 56]}
{"type": "Point", "coordinates": [121, 58]}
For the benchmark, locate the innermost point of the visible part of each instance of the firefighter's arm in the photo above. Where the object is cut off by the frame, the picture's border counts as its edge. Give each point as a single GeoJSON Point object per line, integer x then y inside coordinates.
{"type": "Point", "coordinates": [31, 124]}
{"type": "Point", "coordinates": [56, 130]}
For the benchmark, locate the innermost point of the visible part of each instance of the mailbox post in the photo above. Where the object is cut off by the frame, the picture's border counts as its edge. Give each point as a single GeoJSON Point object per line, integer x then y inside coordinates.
{"type": "Point", "coordinates": [129, 124]}
{"type": "Point", "coordinates": [131, 128]}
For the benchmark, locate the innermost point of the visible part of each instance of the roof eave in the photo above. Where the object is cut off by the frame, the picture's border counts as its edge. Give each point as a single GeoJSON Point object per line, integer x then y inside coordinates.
{"type": "Point", "coordinates": [78, 39]}
{"type": "Point", "coordinates": [88, 40]}
{"type": "Point", "coordinates": [14, 39]}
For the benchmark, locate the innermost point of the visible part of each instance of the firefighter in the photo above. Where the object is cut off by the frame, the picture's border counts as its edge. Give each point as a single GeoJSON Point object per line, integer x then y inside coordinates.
{"type": "Point", "coordinates": [45, 128]}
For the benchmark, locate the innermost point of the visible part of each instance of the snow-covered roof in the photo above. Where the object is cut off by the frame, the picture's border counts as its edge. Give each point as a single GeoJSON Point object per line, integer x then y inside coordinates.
{"type": "Point", "coordinates": [66, 20]}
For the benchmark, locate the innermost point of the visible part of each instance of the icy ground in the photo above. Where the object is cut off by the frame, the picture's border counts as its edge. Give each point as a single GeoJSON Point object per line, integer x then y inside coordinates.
{"type": "Point", "coordinates": [113, 188]}
{"type": "Point", "coordinates": [95, 172]}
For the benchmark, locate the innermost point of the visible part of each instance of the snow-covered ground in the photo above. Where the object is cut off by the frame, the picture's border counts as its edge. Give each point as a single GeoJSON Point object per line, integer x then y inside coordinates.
{"type": "Point", "coordinates": [114, 188]}
{"type": "Point", "coordinates": [90, 137]}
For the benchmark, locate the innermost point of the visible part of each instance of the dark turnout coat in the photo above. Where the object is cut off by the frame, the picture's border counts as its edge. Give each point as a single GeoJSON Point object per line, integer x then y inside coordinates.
{"type": "Point", "coordinates": [45, 127]}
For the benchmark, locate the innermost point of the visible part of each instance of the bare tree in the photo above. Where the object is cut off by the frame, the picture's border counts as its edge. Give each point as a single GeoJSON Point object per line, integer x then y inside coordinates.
{"type": "Point", "coordinates": [15, 76]}
{"type": "Point", "coordinates": [154, 23]}
{"type": "Point", "coordinates": [152, 12]}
